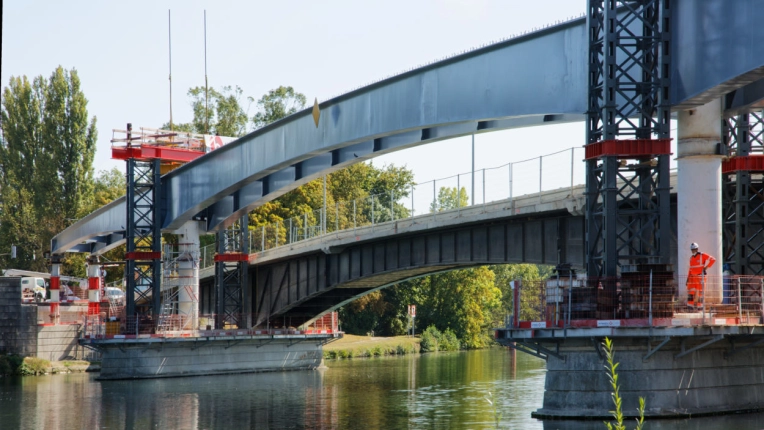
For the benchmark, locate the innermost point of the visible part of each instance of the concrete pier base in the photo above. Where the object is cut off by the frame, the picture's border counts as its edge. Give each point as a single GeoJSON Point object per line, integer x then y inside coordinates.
{"type": "Point", "coordinates": [681, 371]}
{"type": "Point", "coordinates": [160, 357]}
{"type": "Point", "coordinates": [707, 381]}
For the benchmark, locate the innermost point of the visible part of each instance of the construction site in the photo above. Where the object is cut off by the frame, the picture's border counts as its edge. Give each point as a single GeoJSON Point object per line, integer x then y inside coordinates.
{"type": "Point", "coordinates": [114, 323]}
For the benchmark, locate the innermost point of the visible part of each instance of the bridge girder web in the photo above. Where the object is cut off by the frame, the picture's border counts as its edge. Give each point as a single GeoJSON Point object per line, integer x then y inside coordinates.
{"type": "Point", "coordinates": [627, 142]}
{"type": "Point", "coordinates": [743, 194]}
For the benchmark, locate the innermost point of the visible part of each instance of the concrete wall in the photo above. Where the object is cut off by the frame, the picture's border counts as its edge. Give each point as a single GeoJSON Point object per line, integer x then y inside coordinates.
{"type": "Point", "coordinates": [56, 343]}
{"type": "Point", "coordinates": [702, 382]}
{"type": "Point", "coordinates": [18, 322]}
{"type": "Point", "coordinates": [156, 358]}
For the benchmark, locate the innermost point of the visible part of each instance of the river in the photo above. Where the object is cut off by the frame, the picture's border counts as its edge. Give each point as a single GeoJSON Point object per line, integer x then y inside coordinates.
{"type": "Point", "coordinates": [429, 391]}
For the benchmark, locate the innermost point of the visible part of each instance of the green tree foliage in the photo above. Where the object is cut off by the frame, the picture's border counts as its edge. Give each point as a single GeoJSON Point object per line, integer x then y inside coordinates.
{"type": "Point", "coordinates": [276, 104]}
{"type": "Point", "coordinates": [460, 300]}
{"type": "Point", "coordinates": [449, 198]}
{"type": "Point", "coordinates": [215, 112]}
{"type": "Point", "coordinates": [46, 162]}
{"type": "Point", "coordinates": [362, 315]}
{"type": "Point", "coordinates": [358, 182]}
{"type": "Point", "coordinates": [434, 340]}
{"type": "Point", "coordinates": [109, 185]}
{"type": "Point", "coordinates": [531, 275]}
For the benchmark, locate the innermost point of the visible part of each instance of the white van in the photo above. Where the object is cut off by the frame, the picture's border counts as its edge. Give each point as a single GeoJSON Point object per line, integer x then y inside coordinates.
{"type": "Point", "coordinates": [33, 289]}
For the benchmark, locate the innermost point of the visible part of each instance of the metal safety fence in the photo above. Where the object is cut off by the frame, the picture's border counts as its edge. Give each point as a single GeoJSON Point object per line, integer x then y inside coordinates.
{"type": "Point", "coordinates": [205, 325]}
{"type": "Point", "coordinates": [561, 170]}
{"type": "Point", "coordinates": [651, 299]}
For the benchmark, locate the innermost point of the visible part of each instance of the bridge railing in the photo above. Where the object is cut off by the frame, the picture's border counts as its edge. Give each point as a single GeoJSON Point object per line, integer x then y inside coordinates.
{"type": "Point", "coordinates": [559, 170]}
{"type": "Point", "coordinates": [176, 325]}
{"type": "Point", "coordinates": [641, 299]}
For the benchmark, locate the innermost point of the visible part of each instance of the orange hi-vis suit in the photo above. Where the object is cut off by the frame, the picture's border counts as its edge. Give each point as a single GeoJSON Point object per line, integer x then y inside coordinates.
{"type": "Point", "coordinates": [698, 265]}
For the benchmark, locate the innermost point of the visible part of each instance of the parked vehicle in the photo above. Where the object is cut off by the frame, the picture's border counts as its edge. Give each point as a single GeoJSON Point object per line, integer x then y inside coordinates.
{"type": "Point", "coordinates": [115, 296]}
{"type": "Point", "coordinates": [33, 289]}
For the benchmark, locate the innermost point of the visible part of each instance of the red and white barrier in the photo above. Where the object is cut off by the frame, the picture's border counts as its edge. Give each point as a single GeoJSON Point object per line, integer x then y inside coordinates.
{"type": "Point", "coordinates": [94, 286]}
{"type": "Point", "coordinates": [55, 287]}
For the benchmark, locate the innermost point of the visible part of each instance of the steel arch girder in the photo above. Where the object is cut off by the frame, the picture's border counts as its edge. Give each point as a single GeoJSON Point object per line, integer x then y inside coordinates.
{"type": "Point", "coordinates": [472, 87]}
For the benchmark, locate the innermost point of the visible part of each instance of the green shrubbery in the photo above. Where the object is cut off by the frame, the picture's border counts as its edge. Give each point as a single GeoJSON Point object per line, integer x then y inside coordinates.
{"type": "Point", "coordinates": [10, 364]}
{"type": "Point", "coordinates": [375, 351]}
{"type": "Point", "coordinates": [34, 366]}
{"type": "Point", "coordinates": [433, 340]}
{"type": "Point", "coordinates": [17, 365]}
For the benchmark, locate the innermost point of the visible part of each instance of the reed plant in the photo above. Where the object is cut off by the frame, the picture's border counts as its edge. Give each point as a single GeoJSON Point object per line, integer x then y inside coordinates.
{"type": "Point", "coordinates": [612, 372]}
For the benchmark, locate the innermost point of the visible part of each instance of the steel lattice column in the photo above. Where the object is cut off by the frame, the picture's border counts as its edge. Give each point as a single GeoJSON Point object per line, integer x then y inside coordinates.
{"type": "Point", "coordinates": [628, 145]}
{"type": "Point", "coordinates": [143, 268]}
{"type": "Point", "coordinates": [231, 284]}
{"type": "Point", "coordinates": [743, 194]}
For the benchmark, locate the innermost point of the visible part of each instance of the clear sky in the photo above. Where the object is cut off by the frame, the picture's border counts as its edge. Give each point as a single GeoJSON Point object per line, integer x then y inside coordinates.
{"type": "Point", "coordinates": [321, 48]}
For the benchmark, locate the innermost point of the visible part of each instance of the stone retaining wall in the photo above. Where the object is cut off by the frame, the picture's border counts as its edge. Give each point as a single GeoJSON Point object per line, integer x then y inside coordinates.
{"type": "Point", "coordinates": [57, 343]}
{"type": "Point", "coordinates": [18, 322]}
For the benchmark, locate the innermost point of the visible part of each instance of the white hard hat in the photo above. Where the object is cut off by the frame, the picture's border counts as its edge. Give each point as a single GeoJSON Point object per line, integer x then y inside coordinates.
{"type": "Point", "coordinates": [694, 246]}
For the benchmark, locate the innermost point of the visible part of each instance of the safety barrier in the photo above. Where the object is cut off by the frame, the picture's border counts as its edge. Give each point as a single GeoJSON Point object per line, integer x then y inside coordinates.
{"type": "Point", "coordinates": [562, 170]}
{"type": "Point", "coordinates": [175, 326]}
{"type": "Point", "coordinates": [640, 299]}
{"type": "Point", "coordinates": [66, 314]}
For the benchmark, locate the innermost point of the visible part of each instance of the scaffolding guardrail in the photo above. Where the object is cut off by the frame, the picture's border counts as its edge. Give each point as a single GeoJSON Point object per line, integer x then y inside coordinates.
{"type": "Point", "coordinates": [644, 299]}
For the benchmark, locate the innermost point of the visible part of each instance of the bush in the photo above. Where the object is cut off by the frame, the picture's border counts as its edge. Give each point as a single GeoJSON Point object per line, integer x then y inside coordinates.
{"type": "Point", "coordinates": [10, 364]}
{"type": "Point", "coordinates": [34, 366]}
{"type": "Point", "coordinates": [448, 341]}
{"type": "Point", "coordinates": [434, 340]}
{"type": "Point", "coordinates": [376, 351]}
{"type": "Point", "coordinates": [430, 339]}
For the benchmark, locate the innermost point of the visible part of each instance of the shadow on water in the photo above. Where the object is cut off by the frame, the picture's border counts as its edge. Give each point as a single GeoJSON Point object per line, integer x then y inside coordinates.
{"type": "Point", "coordinates": [431, 391]}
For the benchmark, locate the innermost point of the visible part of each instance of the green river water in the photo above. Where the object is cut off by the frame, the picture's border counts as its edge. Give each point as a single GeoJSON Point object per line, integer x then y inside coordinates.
{"type": "Point", "coordinates": [429, 391]}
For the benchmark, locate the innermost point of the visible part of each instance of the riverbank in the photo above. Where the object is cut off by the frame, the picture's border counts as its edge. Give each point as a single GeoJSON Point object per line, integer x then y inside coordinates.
{"type": "Point", "coordinates": [32, 366]}
{"type": "Point", "coordinates": [350, 346]}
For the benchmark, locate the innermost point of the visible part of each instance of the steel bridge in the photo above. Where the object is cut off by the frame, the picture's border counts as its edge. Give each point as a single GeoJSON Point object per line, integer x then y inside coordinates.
{"type": "Point", "coordinates": [623, 69]}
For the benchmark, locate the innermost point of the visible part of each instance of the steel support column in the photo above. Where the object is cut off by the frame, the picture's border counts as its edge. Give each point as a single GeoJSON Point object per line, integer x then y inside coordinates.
{"type": "Point", "coordinates": [628, 146]}
{"type": "Point", "coordinates": [143, 256]}
{"type": "Point", "coordinates": [743, 194]}
{"type": "Point", "coordinates": [231, 284]}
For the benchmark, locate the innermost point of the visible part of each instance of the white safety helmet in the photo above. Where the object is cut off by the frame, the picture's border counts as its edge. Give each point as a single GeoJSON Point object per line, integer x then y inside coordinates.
{"type": "Point", "coordinates": [693, 246]}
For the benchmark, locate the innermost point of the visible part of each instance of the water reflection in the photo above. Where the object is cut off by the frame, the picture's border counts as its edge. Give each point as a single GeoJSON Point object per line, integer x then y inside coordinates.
{"type": "Point", "coordinates": [445, 390]}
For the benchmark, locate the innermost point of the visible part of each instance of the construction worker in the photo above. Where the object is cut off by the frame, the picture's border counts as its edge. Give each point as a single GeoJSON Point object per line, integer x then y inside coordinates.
{"type": "Point", "coordinates": [699, 262]}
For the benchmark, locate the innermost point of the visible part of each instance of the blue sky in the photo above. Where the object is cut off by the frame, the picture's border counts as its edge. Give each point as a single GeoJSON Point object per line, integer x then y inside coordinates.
{"type": "Point", "coordinates": [321, 48]}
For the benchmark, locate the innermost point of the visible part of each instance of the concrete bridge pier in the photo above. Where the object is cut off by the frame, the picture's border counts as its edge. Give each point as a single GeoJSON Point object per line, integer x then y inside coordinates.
{"type": "Point", "coordinates": [685, 371]}
{"type": "Point", "coordinates": [188, 274]}
{"type": "Point", "coordinates": [706, 381]}
{"type": "Point", "coordinates": [699, 193]}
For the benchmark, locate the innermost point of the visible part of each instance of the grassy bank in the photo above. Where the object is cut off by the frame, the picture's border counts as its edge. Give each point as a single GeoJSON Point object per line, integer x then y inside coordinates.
{"type": "Point", "coordinates": [32, 366]}
{"type": "Point", "coordinates": [351, 346]}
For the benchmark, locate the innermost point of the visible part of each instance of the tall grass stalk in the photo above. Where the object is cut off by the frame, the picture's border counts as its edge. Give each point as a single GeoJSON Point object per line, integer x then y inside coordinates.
{"type": "Point", "coordinates": [496, 412]}
{"type": "Point", "coordinates": [612, 372]}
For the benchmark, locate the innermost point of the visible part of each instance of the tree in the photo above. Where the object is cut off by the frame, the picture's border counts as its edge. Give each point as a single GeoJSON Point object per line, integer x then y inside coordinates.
{"type": "Point", "coordinates": [449, 198]}
{"type": "Point", "coordinates": [109, 185]}
{"type": "Point", "coordinates": [461, 300]}
{"type": "Point", "coordinates": [215, 112]}
{"type": "Point", "coordinates": [276, 104]}
{"type": "Point", "coordinates": [532, 276]}
{"type": "Point", "coordinates": [46, 161]}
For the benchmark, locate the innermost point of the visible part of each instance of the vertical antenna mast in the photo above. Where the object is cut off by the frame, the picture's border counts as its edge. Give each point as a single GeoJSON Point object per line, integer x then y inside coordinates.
{"type": "Point", "coordinates": [169, 42]}
{"type": "Point", "coordinates": [206, 88]}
